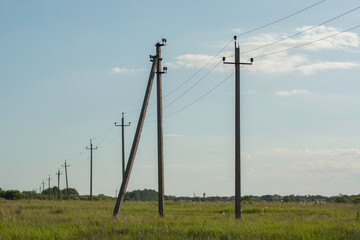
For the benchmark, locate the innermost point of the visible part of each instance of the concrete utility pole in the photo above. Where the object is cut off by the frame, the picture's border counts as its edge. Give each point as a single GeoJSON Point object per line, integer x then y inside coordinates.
{"type": "Point", "coordinates": [91, 160]}
{"type": "Point", "coordinates": [237, 64]}
{"type": "Point", "coordinates": [66, 176]}
{"type": "Point", "coordinates": [135, 144]}
{"type": "Point", "coordinates": [49, 179]}
{"type": "Point", "coordinates": [58, 173]}
{"type": "Point", "coordinates": [159, 73]}
{"type": "Point", "coordinates": [43, 183]}
{"type": "Point", "coordinates": [122, 125]}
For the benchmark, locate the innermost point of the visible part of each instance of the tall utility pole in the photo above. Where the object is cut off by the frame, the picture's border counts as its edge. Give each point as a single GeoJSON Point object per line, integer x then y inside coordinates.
{"type": "Point", "coordinates": [159, 73]}
{"type": "Point", "coordinates": [136, 140]}
{"type": "Point", "coordinates": [67, 186]}
{"type": "Point", "coordinates": [91, 160]}
{"type": "Point", "coordinates": [49, 179]}
{"type": "Point", "coordinates": [237, 64]}
{"type": "Point", "coordinates": [122, 125]}
{"type": "Point", "coordinates": [58, 173]}
{"type": "Point", "coordinates": [43, 183]}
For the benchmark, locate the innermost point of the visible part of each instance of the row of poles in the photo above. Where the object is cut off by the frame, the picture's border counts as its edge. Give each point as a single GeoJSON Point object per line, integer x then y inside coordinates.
{"type": "Point", "coordinates": [58, 173]}
{"type": "Point", "coordinates": [156, 69]}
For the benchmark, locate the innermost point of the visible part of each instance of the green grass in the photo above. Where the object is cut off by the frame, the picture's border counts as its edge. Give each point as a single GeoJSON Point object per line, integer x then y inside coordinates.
{"type": "Point", "coordinates": [40, 219]}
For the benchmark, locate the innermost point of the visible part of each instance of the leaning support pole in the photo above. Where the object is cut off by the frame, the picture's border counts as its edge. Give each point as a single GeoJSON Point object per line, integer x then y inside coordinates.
{"type": "Point", "coordinates": [135, 144]}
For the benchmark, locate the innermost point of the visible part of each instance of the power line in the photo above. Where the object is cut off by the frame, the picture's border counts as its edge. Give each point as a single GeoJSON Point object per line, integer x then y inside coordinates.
{"type": "Point", "coordinates": [281, 19]}
{"type": "Point", "coordinates": [201, 97]}
{"type": "Point", "coordinates": [221, 50]}
{"type": "Point", "coordinates": [308, 43]}
{"type": "Point", "coordinates": [301, 32]}
{"type": "Point", "coordinates": [111, 141]}
{"type": "Point", "coordinates": [105, 135]}
{"type": "Point", "coordinates": [191, 87]}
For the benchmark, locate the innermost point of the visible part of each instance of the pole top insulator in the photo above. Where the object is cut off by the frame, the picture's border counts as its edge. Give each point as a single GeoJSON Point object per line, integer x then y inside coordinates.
{"type": "Point", "coordinates": [235, 37]}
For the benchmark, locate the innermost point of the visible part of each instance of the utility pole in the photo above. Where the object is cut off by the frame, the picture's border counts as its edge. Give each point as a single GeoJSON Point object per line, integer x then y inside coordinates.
{"type": "Point", "coordinates": [91, 160]}
{"type": "Point", "coordinates": [159, 73]}
{"type": "Point", "coordinates": [66, 176]}
{"type": "Point", "coordinates": [136, 140]}
{"type": "Point", "coordinates": [58, 173]}
{"type": "Point", "coordinates": [122, 125]}
{"type": "Point", "coordinates": [49, 179]}
{"type": "Point", "coordinates": [237, 64]}
{"type": "Point", "coordinates": [43, 183]}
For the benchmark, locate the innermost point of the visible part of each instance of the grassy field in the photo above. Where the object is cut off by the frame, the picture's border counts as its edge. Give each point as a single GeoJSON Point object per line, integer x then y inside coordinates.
{"type": "Point", "coordinates": [40, 219]}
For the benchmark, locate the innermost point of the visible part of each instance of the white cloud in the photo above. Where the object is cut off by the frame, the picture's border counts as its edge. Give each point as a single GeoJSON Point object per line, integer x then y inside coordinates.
{"type": "Point", "coordinates": [310, 69]}
{"type": "Point", "coordinates": [306, 151]}
{"type": "Point", "coordinates": [126, 70]}
{"type": "Point", "coordinates": [207, 61]}
{"type": "Point", "coordinates": [249, 92]}
{"type": "Point", "coordinates": [337, 159]}
{"type": "Point", "coordinates": [292, 92]}
{"type": "Point", "coordinates": [283, 62]}
{"type": "Point", "coordinates": [237, 30]}
{"type": "Point", "coordinates": [172, 135]}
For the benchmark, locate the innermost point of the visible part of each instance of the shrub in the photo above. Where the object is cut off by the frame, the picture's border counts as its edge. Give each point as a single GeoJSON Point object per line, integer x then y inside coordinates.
{"type": "Point", "coordinates": [13, 195]}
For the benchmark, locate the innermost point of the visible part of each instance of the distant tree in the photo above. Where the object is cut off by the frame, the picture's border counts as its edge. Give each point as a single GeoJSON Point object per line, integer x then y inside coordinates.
{"type": "Point", "coordinates": [13, 195]}
{"type": "Point", "coordinates": [142, 195]}
{"type": "Point", "coordinates": [2, 193]}
{"type": "Point", "coordinates": [72, 191]}
{"type": "Point", "coordinates": [355, 199]}
{"type": "Point", "coordinates": [286, 199]}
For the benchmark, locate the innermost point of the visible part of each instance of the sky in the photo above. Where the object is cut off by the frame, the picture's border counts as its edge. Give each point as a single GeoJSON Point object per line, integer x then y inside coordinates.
{"type": "Point", "coordinates": [68, 69]}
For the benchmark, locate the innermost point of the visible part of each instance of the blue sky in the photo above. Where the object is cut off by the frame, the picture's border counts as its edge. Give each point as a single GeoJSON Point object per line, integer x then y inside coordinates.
{"type": "Point", "coordinates": [69, 68]}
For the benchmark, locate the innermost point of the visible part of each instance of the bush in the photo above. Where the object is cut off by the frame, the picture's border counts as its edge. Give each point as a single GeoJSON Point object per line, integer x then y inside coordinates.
{"type": "Point", "coordinates": [13, 195]}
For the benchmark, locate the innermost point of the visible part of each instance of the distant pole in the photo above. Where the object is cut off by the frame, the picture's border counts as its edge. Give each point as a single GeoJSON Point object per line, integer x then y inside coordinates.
{"type": "Point", "coordinates": [43, 183]}
{"type": "Point", "coordinates": [237, 64]}
{"type": "Point", "coordinates": [130, 162]}
{"type": "Point", "coordinates": [58, 173]}
{"type": "Point", "coordinates": [159, 73]}
{"type": "Point", "coordinates": [91, 160]}
{"type": "Point", "coordinates": [66, 176]}
{"type": "Point", "coordinates": [122, 125]}
{"type": "Point", "coordinates": [49, 179]}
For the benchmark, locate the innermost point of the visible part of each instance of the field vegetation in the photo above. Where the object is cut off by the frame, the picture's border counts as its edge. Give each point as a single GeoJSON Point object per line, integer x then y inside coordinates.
{"type": "Point", "coordinates": [49, 219]}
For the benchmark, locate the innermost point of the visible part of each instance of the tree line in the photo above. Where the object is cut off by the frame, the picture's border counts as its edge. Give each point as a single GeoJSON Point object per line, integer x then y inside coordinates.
{"type": "Point", "coordinates": [152, 195]}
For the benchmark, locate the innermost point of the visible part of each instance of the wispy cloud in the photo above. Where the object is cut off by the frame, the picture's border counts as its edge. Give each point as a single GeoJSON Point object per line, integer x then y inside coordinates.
{"type": "Point", "coordinates": [237, 30]}
{"type": "Point", "coordinates": [301, 63]}
{"type": "Point", "coordinates": [126, 70]}
{"type": "Point", "coordinates": [337, 159]}
{"type": "Point", "coordinates": [172, 135]}
{"type": "Point", "coordinates": [249, 92]}
{"type": "Point", "coordinates": [292, 92]}
{"type": "Point", "coordinates": [312, 68]}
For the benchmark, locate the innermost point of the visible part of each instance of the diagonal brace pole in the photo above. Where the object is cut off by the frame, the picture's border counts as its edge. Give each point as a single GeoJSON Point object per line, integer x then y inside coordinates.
{"type": "Point", "coordinates": [135, 144]}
